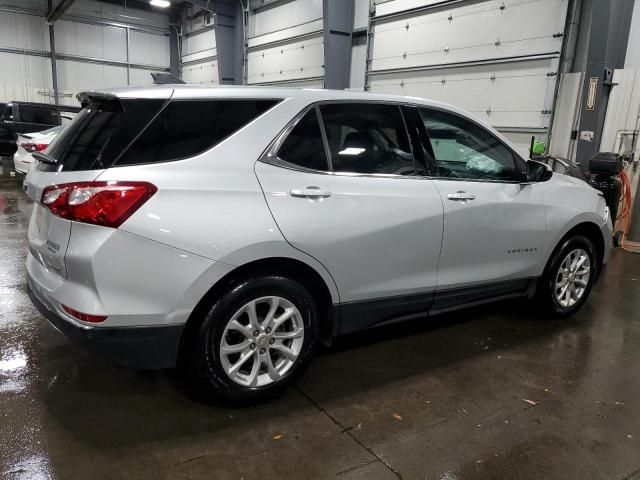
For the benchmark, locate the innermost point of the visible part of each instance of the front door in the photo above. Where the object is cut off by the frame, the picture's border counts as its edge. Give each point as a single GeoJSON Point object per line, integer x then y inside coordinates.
{"type": "Point", "coordinates": [494, 223]}
{"type": "Point", "coordinates": [361, 210]}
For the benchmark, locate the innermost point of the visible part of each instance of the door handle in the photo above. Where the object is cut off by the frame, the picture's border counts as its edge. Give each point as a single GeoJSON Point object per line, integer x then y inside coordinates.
{"type": "Point", "coordinates": [461, 196]}
{"type": "Point", "coordinates": [310, 192]}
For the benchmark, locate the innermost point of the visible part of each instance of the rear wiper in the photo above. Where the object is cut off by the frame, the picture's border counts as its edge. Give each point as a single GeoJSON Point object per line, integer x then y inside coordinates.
{"type": "Point", "coordinates": [44, 158]}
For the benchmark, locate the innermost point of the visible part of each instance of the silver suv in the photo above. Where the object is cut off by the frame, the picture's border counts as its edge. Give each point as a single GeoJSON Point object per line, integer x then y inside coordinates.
{"type": "Point", "coordinates": [231, 229]}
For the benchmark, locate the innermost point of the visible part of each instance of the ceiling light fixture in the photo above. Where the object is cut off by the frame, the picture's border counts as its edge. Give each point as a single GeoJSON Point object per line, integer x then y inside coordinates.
{"type": "Point", "coordinates": [160, 3]}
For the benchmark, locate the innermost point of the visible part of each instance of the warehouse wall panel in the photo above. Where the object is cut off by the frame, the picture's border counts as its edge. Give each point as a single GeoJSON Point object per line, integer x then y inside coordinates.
{"type": "Point", "coordinates": [205, 73]}
{"type": "Point", "coordinates": [23, 31]}
{"type": "Point", "coordinates": [633, 46]}
{"type": "Point", "coordinates": [74, 77]}
{"type": "Point", "coordinates": [623, 110]}
{"type": "Point", "coordinates": [503, 95]}
{"type": "Point", "coordinates": [286, 62]}
{"type": "Point", "coordinates": [199, 53]}
{"type": "Point", "coordinates": [496, 58]}
{"type": "Point", "coordinates": [286, 43]}
{"type": "Point", "coordinates": [361, 14]}
{"type": "Point", "coordinates": [94, 41]}
{"type": "Point", "coordinates": [148, 49]}
{"type": "Point", "coordinates": [119, 12]}
{"type": "Point", "coordinates": [478, 31]}
{"type": "Point", "coordinates": [27, 76]}
{"type": "Point", "coordinates": [140, 78]}
{"type": "Point", "coordinates": [283, 16]}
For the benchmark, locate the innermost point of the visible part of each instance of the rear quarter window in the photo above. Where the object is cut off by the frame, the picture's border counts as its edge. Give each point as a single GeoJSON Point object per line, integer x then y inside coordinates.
{"type": "Point", "coordinates": [138, 131]}
{"type": "Point", "coordinates": [185, 128]}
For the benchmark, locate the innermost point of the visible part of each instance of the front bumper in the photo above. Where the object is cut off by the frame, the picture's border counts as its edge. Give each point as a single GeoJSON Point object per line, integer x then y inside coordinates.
{"type": "Point", "coordinates": [145, 348]}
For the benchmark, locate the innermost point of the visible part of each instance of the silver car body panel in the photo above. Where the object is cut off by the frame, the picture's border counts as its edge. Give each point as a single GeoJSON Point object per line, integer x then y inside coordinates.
{"type": "Point", "coordinates": [214, 212]}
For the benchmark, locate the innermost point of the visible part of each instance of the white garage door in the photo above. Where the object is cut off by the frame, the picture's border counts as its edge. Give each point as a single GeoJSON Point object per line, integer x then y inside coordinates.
{"type": "Point", "coordinates": [285, 45]}
{"type": "Point", "coordinates": [495, 58]}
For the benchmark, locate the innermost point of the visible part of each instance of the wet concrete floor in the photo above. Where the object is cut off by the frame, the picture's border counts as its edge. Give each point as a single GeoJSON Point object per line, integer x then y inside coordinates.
{"type": "Point", "coordinates": [489, 393]}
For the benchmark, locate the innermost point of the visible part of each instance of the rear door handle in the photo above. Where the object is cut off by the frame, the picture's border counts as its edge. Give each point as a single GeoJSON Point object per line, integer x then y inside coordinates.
{"type": "Point", "coordinates": [310, 192]}
{"type": "Point", "coordinates": [461, 196]}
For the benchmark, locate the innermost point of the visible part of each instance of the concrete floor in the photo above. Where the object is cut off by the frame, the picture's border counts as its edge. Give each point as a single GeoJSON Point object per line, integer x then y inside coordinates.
{"type": "Point", "coordinates": [489, 393]}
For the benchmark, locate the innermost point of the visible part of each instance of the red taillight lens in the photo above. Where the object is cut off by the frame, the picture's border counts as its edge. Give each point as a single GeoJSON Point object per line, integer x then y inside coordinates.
{"type": "Point", "coordinates": [85, 317]}
{"type": "Point", "coordinates": [107, 204]}
{"type": "Point", "coordinates": [34, 147]}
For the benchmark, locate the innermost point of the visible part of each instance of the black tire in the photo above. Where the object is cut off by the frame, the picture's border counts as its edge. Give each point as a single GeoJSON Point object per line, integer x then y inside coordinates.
{"type": "Point", "coordinates": [202, 357]}
{"type": "Point", "coordinates": [545, 294]}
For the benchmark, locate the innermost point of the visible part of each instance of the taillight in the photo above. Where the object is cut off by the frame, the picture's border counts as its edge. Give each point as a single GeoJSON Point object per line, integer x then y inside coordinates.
{"type": "Point", "coordinates": [34, 147]}
{"type": "Point", "coordinates": [107, 204]}
{"type": "Point", "coordinates": [85, 317]}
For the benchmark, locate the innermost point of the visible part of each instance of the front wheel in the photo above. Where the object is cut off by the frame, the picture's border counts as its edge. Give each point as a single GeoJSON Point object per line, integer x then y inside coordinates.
{"type": "Point", "coordinates": [569, 276]}
{"type": "Point", "coordinates": [255, 340]}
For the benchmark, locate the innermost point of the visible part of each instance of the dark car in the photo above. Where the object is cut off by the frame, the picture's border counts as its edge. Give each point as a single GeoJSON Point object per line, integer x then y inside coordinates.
{"type": "Point", "coordinates": [26, 117]}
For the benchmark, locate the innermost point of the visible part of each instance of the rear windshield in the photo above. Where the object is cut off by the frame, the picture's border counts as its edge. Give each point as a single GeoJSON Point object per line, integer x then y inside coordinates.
{"type": "Point", "coordinates": [137, 131]}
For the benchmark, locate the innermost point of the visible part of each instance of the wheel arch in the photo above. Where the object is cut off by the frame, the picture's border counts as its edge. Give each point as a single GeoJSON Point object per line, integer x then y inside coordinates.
{"type": "Point", "coordinates": [589, 229]}
{"type": "Point", "coordinates": [292, 268]}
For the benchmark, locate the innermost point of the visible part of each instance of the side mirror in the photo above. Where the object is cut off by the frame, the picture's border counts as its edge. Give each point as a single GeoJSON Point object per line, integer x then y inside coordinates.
{"type": "Point", "coordinates": [538, 171]}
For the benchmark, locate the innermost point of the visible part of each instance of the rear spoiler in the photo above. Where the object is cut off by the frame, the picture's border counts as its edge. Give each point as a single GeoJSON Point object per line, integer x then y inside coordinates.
{"type": "Point", "coordinates": [85, 98]}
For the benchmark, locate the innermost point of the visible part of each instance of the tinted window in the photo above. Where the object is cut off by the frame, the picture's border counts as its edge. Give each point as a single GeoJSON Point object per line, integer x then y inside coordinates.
{"type": "Point", "coordinates": [38, 114]}
{"type": "Point", "coordinates": [463, 149]}
{"type": "Point", "coordinates": [367, 138]}
{"type": "Point", "coordinates": [303, 146]}
{"type": "Point", "coordinates": [5, 111]}
{"type": "Point", "coordinates": [101, 135]}
{"type": "Point", "coordinates": [186, 128]}
{"type": "Point", "coordinates": [100, 132]}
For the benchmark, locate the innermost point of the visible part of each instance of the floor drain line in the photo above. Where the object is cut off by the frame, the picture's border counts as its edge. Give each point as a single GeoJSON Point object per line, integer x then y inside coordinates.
{"type": "Point", "coordinates": [348, 432]}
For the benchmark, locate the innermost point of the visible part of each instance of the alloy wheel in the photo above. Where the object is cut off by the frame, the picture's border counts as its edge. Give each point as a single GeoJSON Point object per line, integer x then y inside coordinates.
{"type": "Point", "coordinates": [572, 278]}
{"type": "Point", "coordinates": [262, 341]}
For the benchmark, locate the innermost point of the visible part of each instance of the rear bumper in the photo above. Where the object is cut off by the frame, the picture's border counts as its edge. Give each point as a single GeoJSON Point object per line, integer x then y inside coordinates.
{"type": "Point", "coordinates": [153, 347]}
{"type": "Point", "coordinates": [19, 165]}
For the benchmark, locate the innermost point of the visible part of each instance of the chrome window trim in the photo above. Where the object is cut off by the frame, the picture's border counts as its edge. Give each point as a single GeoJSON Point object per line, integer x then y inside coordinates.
{"type": "Point", "coordinates": [270, 155]}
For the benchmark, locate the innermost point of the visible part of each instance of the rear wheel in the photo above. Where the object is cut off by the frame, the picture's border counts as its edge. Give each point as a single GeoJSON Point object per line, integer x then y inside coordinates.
{"type": "Point", "coordinates": [569, 276]}
{"type": "Point", "coordinates": [255, 340]}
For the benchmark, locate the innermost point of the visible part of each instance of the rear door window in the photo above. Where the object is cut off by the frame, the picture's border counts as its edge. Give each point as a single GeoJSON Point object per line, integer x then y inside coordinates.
{"type": "Point", "coordinates": [367, 138]}
{"type": "Point", "coordinates": [303, 146]}
{"type": "Point", "coordinates": [119, 132]}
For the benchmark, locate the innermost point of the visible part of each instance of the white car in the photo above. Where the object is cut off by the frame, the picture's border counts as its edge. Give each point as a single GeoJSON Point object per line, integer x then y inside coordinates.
{"type": "Point", "coordinates": [32, 142]}
{"type": "Point", "coordinates": [231, 229]}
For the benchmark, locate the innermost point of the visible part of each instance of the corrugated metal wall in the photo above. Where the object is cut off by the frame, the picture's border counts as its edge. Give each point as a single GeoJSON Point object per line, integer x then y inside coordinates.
{"type": "Point", "coordinates": [285, 44]}
{"type": "Point", "coordinates": [91, 46]}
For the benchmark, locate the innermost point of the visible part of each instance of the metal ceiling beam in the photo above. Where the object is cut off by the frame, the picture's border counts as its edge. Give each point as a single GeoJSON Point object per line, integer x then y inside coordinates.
{"type": "Point", "coordinates": [204, 4]}
{"type": "Point", "coordinates": [57, 12]}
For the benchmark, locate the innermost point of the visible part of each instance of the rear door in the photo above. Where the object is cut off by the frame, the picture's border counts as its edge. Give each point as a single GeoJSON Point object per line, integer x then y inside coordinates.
{"type": "Point", "coordinates": [361, 210]}
{"type": "Point", "coordinates": [494, 223]}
